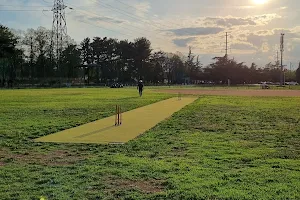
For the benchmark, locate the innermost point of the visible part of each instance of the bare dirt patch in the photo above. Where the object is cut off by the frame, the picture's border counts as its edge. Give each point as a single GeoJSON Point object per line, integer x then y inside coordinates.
{"type": "Point", "coordinates": [149, 187]}
{"type": "Point", "coordinates": [229, 92]}
{"type": "Point", "coordinates": [53, 158]}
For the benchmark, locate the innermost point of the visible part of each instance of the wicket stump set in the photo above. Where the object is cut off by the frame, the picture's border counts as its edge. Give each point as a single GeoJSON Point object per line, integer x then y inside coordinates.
{"type": "Point", "coordinates": [118, 116]}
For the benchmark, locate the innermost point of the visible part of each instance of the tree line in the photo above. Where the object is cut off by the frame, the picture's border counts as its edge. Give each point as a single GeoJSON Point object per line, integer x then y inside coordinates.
{"type": "Point", "coordinates": [27, 58]}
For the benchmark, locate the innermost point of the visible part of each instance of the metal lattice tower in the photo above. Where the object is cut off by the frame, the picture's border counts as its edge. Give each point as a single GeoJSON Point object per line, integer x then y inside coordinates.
{"type": "Point", "coordinates": [281, 62]}
{"type": "Point", "coordinates": [59, 30]}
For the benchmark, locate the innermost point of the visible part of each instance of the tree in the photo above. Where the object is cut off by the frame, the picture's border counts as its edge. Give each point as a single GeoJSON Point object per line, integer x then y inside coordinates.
{"type": "Point", "coordinates": [290, 76]}
{"type": "Point", "coordinates": [8, 50]}
{"type": "Point", "coordinates": [70, 59]}
{"type": "Point", "coordinates": [99, 55]}
{"type": "Point", "coordinates": [7, 42]}
{"type": "Point", "coordinates": [28, 40]}
{"type": "Point", "coordinates": [224, 69]}
{"type": "Point", "coordinates": [42, 43]}
{"type": "Point", "coordinates": [156, 70]}
{"type": "Point", "coordinates": [298, 74]}
{"type": "Point", "coordinates": [86, 56]}
{"type": "Point", "coordinates": [107, 59]}
{"type": "Point", "coordinates": [125, 52]}
{"type": "Point", "coordinates": [175, 70]}
{"type": "Point", "coordinates": [193, 68]}
{"type": "Point", "coordinates": [253, 76]}
{"type": "Point", "coordinates": [113, 72]}
{"type": "Point", "coordinates": [16, 62]}
{"type": "Point", "coordinates": [141, 55]}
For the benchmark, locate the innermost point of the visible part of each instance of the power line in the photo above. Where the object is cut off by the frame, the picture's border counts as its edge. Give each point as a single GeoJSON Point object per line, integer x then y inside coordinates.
{"type": "Point", "coordinates": [118, 10]}
{"type": "Point", "coordinates": [121, 11]}
{"type": "Point", "coordinates": [135, 9]}
{"type": "Point", "coordinates": [94, 25]}
{"type": "Point", "coordinates": [89, 14]}
{"type": "Point", "coordinates": [135, 17]}
{"type": "Point", "coordinates": [99, 26]}
{"type": "Point", "coordinates": [102, 28]}
{"type": "Point", "coordinates": [163, 25]}
{"type": "Point", "coordinates": [133, 31]}
{"type": "Point", "coordinates": [108, 22]}
{"type": "Point", "coordinates": [23, 6]}
{"type": "Point", "coordinates": [142, 11]}
{"type": "Point", "coordinates": [127, 14]}
{"type": "Point", "coordinates": [166, 25]}
{"type": "Point", "coordinates": [21, 10]}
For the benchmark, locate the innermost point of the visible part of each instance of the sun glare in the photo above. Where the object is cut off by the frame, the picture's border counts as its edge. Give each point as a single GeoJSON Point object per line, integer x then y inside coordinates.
{"type": "Point", "coordinates": [260, 1]}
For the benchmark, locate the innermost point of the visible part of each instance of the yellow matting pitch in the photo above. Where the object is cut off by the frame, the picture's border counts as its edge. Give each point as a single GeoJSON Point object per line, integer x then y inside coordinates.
{"type": "Point", "coordinates": [134, 123]}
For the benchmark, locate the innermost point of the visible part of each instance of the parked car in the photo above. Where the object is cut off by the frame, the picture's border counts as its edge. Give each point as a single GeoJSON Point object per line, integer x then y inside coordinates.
{"type": "Point", "coordinates": [264, 85]}
{"type": "Point", "coordinates": [291, 83]}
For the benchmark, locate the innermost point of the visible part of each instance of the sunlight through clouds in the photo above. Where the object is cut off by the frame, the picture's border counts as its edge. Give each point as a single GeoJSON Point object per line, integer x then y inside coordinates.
{"type": "Point", "coordinates": [260, 1]}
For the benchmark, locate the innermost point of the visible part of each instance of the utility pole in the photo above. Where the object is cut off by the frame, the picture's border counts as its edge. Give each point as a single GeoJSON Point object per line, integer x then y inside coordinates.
{"type": "Point", "coordinates": [277, 59]}
{"type": "Point", "coordinates": [226, 54]}
{"type": "Point", "coordinates": [290, 74]}
{"type": "Point", "coordinates": [59, 32]}
{"type": "Point", "coordinates": [281, 50]}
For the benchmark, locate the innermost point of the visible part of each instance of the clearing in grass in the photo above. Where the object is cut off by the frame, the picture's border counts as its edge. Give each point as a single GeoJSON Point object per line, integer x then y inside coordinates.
{"type": "Point", "coordinates": [134, 123]}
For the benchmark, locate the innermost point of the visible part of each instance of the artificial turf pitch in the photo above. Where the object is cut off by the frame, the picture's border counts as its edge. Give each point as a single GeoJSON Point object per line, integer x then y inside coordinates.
{"type": "Point", "coordinates": [134, 123]}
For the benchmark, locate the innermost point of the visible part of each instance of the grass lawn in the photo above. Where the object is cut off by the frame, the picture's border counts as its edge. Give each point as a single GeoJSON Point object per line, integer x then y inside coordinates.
{"type": "Point", "coordinates": [216, 148]}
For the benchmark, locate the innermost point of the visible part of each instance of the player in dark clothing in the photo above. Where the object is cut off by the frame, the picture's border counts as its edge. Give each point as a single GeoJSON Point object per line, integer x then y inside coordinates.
{"type": "Point", "coordinates": [140, 87]}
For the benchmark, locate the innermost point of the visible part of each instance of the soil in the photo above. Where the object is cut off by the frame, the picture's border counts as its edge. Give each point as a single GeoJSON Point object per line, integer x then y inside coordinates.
{"type": "Point", "coordinates": [54, 158]}
{"type": "Point", "coordinates": [150, 186]}
{"type": "Point", "coordinates": [229, 92]}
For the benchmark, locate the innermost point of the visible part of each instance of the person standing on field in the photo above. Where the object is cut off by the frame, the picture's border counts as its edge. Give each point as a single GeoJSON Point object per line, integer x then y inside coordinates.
{"type": "Point", "coordinates": [140, 87]}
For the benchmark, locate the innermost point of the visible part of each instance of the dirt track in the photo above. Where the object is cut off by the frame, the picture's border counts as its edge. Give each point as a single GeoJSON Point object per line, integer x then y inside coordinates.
{"type": "Point", "coordinates": [229, 92]}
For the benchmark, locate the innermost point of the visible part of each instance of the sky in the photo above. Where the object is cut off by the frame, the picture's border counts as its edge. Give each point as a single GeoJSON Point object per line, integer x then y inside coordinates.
{"type": "Point", "coordinates": [253, 26]}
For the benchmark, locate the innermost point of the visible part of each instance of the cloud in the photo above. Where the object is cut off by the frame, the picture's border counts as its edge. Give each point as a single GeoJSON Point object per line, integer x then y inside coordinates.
{"type": "Point", "coordinates": [183, 42]}
{"type": "Point", "coordinates": [230, 7]}
{"type": "Point", "coordinates": [265, 18]}
{"type": "Point", "coordinates": [256, 40]}
{"type": "Point", "coordinates": [197, 31]}
{"type": "Point", "coordinates": [142, 8]}
{"type": "Point", "coordinates": [242, 35]}
{"type": "Point", "coordinates": [264, 32]}
{"type": "Point", "coordinates": [228, 22]}
{"type": "Point", "coordinates": [243, 46]}
{"type": "Point", "coordinates": [265, 47]}
{"type": "Point", "coordinates": [99, 19]}
{"type": "Point", "coordinates": [260, 37]}
{"type": "Point", "coordinates": [106, 19]}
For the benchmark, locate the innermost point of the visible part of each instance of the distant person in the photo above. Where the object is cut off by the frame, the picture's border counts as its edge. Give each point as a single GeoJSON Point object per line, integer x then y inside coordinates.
{"type": "Point", "coordinates": [140, 87]}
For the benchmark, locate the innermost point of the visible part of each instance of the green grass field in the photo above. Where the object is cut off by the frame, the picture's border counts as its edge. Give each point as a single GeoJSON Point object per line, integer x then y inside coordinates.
{"type": "Point", "coordinates": [216, 148]}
